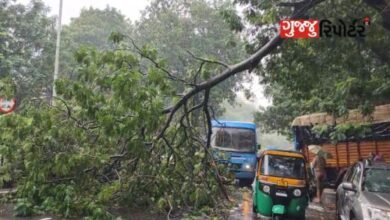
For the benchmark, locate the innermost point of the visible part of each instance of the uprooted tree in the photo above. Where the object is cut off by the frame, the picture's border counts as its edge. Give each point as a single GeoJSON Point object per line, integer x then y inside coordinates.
{"type": "Point", "coordinates": [110, 139]}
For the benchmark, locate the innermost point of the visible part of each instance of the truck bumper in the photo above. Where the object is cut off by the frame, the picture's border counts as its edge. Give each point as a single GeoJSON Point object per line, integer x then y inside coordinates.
{"type": "Point", "coordinates": [244, 175]}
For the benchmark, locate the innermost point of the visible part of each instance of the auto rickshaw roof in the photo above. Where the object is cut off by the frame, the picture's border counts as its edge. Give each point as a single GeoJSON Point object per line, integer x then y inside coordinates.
{"type": "Point", "coordinates": [286, 153]}
{"type": "Point", "coordinates": [233, 124]}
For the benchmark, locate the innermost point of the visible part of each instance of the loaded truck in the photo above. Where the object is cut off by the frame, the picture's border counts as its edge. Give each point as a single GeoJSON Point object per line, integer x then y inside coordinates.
{"type": "Point", "coordinates": [234, 144]}
{"type": "Point", "coordinates": [353, 145]}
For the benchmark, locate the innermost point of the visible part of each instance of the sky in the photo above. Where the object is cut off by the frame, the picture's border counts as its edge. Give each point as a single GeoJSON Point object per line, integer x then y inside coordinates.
{"type": "Point", "coordinates": [132, 10]}
{"type": "Point", "coordinates": [71, 8]}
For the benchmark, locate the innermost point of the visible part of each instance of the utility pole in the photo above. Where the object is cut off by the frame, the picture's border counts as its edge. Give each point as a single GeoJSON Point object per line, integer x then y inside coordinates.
{"type": "Point", "coordinates": [57, 56]}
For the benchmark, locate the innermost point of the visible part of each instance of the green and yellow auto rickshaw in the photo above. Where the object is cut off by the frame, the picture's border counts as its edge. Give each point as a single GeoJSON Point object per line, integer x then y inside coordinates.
{"type": "Point", "coordinates": [281, 186]}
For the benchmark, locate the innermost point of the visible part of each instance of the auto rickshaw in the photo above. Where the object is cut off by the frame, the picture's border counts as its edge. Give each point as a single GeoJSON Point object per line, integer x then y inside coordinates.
{"type": "Point", "coordinates": [281, 186]}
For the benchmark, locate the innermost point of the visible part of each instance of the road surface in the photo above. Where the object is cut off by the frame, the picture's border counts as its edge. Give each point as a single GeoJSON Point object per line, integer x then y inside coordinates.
{"type": "Point", "coordinates": [244, 209]}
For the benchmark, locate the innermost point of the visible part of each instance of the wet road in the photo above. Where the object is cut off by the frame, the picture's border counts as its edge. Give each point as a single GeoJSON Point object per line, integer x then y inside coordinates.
{"type": "Point", "coordinates": [244, 210]}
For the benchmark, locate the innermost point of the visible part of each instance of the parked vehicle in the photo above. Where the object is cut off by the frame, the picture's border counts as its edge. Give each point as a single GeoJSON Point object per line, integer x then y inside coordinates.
{"type": "Point", "coordinates": [364, 193]}
{"type": "Point", "coordinates": [281, 186]}
{"type": "Point", "coordinates": [235, 144]}
{"type": "Point", "coordinates": [352, 146]}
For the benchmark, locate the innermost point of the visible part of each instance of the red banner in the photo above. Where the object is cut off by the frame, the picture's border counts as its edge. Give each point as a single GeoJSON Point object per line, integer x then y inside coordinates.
{"type": "Point", "coordinates": [299, 28]}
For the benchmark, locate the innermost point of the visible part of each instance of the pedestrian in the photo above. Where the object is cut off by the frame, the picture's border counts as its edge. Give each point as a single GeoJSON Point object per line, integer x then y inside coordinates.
{"type": "Point", "coordinates": [379, 158]}
{"type": "Point", "coordinates": [318, 164]}
{"type": "Point", "coordinates": [371, 156]}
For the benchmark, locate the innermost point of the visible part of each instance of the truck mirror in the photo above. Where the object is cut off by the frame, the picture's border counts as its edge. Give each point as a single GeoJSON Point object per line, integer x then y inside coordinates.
{"type": "Point", "coordinates": [259, 146]}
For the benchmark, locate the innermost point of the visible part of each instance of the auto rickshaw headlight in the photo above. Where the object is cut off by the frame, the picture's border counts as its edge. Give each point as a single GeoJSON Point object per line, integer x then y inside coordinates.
{"type": "Point", "coordinates": [297, 192]}
{"type": "Point", "coordinates": [266, 189]}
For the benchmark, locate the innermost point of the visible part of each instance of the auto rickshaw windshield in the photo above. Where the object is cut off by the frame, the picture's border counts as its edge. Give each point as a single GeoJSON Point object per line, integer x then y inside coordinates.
{"type": "Point", "coordinates": [282, 166]}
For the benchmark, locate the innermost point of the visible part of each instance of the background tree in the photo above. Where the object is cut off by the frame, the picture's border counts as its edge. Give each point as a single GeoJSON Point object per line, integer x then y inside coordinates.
{"type": "Point", "coordinates": [327, 74]}
{"type": "Point", "coordinates": [180, 30]}
{"type": "Point", "coordinates": [26, 46]}
{"type": "Point", "coordinates": [196, 28]}
{"type": "Point", "coordinates": [91, 29]}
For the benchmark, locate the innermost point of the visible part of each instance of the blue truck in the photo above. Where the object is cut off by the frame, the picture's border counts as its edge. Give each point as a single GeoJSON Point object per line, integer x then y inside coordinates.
{"type": "Point", "coordinates": [236, 142]}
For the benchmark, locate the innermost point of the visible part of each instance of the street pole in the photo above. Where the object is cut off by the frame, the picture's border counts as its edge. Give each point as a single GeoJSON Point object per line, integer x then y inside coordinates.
{"type": "Point", "coordinates": [57, 55]}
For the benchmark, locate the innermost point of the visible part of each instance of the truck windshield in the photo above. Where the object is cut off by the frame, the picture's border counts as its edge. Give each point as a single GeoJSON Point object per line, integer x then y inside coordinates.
{"type": "Point", "coordinates": [280, 166]}
{"type": "Point", "coordinates": [234, 139]}
{"type": "Point", "coordinates": [377, 180]}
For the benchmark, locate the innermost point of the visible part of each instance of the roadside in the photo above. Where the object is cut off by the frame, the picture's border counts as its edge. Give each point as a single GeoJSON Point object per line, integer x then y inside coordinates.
{"type": "Point", "coordinates": [6, 213]}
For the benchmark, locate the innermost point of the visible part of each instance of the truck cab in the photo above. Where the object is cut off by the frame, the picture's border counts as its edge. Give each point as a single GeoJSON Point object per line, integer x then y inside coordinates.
{"type": "Point", "coordinates": [234, 144]}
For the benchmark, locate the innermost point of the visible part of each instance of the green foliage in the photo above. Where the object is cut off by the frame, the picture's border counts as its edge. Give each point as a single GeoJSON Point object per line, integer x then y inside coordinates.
{"type": "Point", "coordinates": [342, 132]}
{"type": "Point", "coordinates": [26, 47]}
{"type": "Point", "coordinates": [23, 208]}
{"type": "Point", "coordinates": [96, 147]}
{"type": "Point", "coordinates": [95, 28]}
{"type": "Point", "coordinates": [175, 27]}
{"type": "Point", "coordinates": [7, 87]}
{"type": "Point", "coordinates": [329, 75]}
{"type": "Point", "coordinates": [196, 26]}
{"type": "Point", "coordinates": [232, 19]}
{"type": "Point", "coordinates": [116, 37]}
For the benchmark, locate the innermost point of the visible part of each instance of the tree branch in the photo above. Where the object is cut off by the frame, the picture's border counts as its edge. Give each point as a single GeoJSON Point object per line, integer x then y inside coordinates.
{"type": "Point", "coordinates": [246, 64]}
{"type": "Point", "coordinates": [208, 117]}
{"type": "Point", "coordinates": [208, 60]}
{"type": "Point", "coordinates": [157, 65]}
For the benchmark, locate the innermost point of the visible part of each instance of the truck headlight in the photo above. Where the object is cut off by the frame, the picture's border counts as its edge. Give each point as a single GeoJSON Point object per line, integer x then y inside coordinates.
{"type": "Point", "coordinates": [377, 214]}
{"type": "Point", "coordinates": [297, 192]}
{"type": "Point", "coordinates": [266, 189]}
{"type": "Point", "coordinates": [248, 167]}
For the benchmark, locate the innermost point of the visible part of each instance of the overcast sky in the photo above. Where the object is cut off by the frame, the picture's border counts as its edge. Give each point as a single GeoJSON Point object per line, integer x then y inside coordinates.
{"type": "Point", "coordinates": [71, 8]}
{"type": "Point", "coordinates": [131, 9]}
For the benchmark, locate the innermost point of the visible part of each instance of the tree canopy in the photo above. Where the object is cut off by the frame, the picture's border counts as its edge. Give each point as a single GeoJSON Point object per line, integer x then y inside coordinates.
{"type": "Point", "coordinates": [26, 46]}
{"type": "Point", "coordinates": [182, 31]}
{"type": "Point", "coordinates": [326, 74]}
{"type": "Point", "coordinates": [91, 29]}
